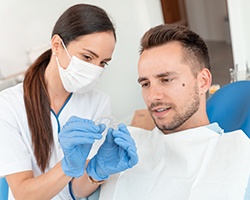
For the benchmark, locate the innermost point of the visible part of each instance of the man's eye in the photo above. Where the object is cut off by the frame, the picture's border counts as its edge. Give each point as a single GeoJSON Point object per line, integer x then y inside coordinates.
{"type": "Point", "coordinates": [166, 80]}
{"type": "Point", "coordinates": [144, 84]}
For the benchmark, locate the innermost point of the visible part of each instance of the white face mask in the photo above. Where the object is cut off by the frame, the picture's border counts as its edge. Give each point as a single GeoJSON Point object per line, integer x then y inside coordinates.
{"type": "Point", "coordinates": [79, 76]}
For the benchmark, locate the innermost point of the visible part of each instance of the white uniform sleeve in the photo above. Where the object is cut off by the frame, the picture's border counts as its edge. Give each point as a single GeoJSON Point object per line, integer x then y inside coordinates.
{"type": "Point", "coordinates": [14, 156]}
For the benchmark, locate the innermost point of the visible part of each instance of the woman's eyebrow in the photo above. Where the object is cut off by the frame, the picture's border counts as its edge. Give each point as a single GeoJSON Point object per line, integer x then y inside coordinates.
{"type": "Point", "coordinates": [92, 52]}
{"type": "Point", "coordinates": [95, 54]}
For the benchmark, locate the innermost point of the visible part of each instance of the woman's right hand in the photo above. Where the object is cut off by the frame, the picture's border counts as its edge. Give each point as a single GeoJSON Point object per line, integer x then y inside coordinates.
{"type": "Point", "coordinates": [117, 153]}
{"type": "Point", "coordinates": [76, 139]}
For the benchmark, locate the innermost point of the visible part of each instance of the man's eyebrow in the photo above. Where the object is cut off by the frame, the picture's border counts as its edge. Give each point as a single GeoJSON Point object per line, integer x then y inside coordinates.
{"type": "Point", "coordinates": [164, 74]}
{"type": "Point", "coordinates": [140, 79]}
{"type": "Point", "coordinates": [161, 75]}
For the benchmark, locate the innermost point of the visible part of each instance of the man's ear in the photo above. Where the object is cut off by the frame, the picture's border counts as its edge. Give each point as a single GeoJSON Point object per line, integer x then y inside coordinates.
{"type": "Point", "coordinates": [56, 44]}
{"type": "Point", "coordinates": [205, 80]}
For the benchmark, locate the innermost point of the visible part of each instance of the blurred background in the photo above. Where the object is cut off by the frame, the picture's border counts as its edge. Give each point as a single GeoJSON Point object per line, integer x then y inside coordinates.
{"type": "Point", "coordinates": [26, 28]}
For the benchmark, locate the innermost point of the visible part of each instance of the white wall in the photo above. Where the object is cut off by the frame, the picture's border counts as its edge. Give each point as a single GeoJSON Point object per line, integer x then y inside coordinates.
{"type": "Point", "coordinates": [207, 18]}
{"type": "Point", "coordinates": [28, 24]}
{"type": "Point", "coordinates": [240, 28]}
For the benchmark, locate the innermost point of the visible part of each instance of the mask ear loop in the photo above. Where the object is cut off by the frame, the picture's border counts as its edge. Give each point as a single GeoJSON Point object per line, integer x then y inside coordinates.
{"type": "Point", "coordinates": [65, 49]}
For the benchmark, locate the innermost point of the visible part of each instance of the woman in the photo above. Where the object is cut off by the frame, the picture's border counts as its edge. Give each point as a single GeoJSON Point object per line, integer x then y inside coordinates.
{"type": "Point", "coordinates": [46, 123]}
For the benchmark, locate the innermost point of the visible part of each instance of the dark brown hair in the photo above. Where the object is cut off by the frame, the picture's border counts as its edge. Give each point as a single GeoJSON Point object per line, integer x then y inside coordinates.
{"type": "Point", "coordinates": [78, 20]}
{"type": "Point", "coordinates": [195, 49]}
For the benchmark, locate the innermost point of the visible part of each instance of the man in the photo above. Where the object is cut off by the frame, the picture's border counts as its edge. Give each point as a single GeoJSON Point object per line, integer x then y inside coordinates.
{"type": "Point", "coordinates": [184, 157]}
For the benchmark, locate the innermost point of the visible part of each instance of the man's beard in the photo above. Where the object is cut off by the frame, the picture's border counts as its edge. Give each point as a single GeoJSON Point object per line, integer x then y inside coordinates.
{"type": "Point", "coordinates": [180, 118]}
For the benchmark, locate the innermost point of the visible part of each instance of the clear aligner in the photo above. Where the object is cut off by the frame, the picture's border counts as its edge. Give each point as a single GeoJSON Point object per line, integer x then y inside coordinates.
{"type": "Point", "coordinates": [108, 120]}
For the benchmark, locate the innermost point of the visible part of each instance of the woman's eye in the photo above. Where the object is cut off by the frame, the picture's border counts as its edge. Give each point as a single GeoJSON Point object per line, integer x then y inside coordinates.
{"type": "Point", "coordinates": [87, 58]}
{"type": "Point", "coordinates": [103, 64]}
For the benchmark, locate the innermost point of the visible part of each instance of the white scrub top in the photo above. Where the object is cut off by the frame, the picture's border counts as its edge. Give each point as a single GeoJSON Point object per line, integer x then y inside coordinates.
{"type": "Point", "coordinates": [16, 152]}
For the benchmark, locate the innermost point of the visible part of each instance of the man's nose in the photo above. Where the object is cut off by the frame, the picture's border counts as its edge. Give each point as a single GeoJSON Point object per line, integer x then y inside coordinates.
{"type": "Point", "coordinates": [155, 93]}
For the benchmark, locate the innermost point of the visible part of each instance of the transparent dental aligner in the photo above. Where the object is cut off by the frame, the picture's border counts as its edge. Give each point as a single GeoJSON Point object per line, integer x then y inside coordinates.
{"type": "Point", "coordinates": [108, 120]}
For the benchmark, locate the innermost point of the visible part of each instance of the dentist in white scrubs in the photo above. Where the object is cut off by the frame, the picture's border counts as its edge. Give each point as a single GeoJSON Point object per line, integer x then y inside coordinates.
{"type": "Point", "coordinates": [47, 122]}
{"type": "Point", "coordinates": [184, 157]}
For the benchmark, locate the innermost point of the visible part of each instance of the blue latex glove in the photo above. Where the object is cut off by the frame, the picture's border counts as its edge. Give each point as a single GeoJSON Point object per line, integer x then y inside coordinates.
{"type": "Point", "coordinates": [76, 139]}
{"type": "Point", "coordinates": [116, 154]}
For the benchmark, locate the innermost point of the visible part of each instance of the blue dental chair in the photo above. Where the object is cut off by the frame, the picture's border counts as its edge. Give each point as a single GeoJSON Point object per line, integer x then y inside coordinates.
{"type": "Point", "coordinates": [4, 189]}
{"type": "Point", "coordinates": [230, 107]}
